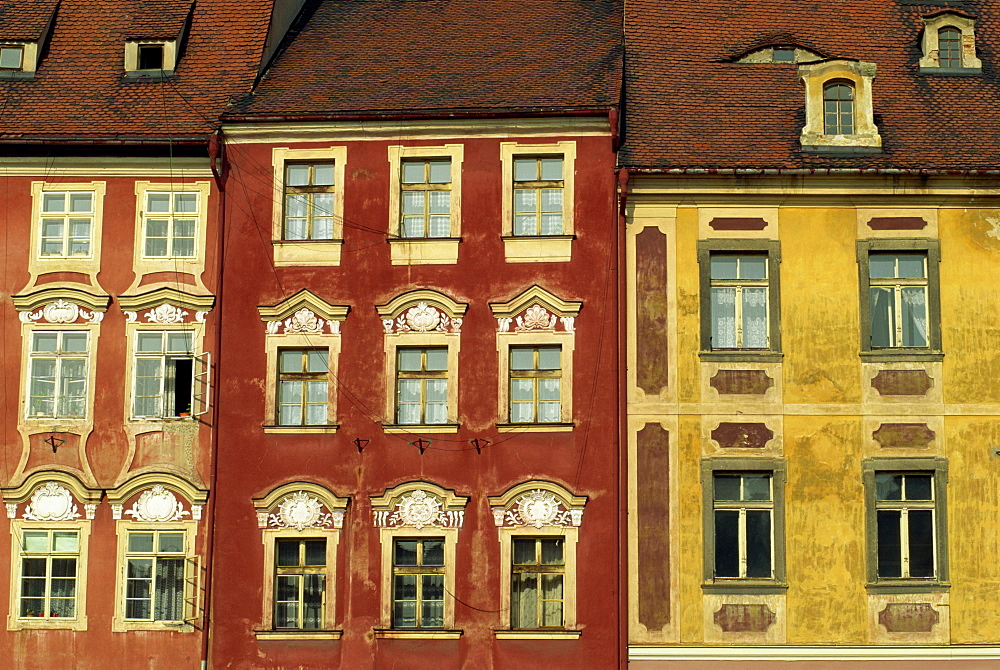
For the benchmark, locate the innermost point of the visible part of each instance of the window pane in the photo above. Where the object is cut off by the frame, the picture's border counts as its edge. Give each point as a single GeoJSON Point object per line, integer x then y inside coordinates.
{"type": "Point", "coordinates": [723, 318]}
{"type": "Point", "coordinates": [312, 601]}
{"type": "Point", "coordinates": [524, 600]}
{"type": "Point", "coordinates": [918, 487]}
{"type": "Point", "coordinates": [81, 202]}
{"type": "Point", "coordinates": [914, 314]}
{"type": "Point", "coordinates": [889, 546]}
{"type": "Point", "coordinates": [753, 267]}
{"type": "Point", "coordinates": [921, 536]}
{"type": "Point", "coordinates": [150, 342]}
{"type": "Point", "coordinates": [436, 390]}
{"type": "Point", "coordinates": [323, 174]}
{"type": "Point", "coordinates": [140, 542]}
{"type": "Point", "coordinates": [759, 544]}
{"type": "Point", "coordinates": [405, 587]}
{"type": "Point", "coordinates": [405, 552]}
{"type": "Point", "coordinates": [158, 202]}
{"type": "Point", "coordinates": [185, 203]}
{"type": "Point", "coordinates": [548, 358]}
{"type": "Point", "coordinates": [881, 266]}
{"type": "Point", "coordinates": [287, 554]}
{"type": "Point", "coordinates": [315, 552]}
{"type": "Point", "coordinates": [755, 318]}
{"type": "Point", "coordinates": [552, 169]}
{"type": "Point", "coordinates": [552, 551]}
{"type": "Point", "coordinates": [171, 542]}
{"type": "Point", "coordinates": [168, 602]}
{"type": "Point", "coordinates": [65, 541]}
{"type": "Point", "coordinates": [440, 172]}
{"type": "Point", "coordinates": [883, 317]}
{"type": "Point", "coordinates": [724, 267]}
{"type": "Point", "coordinates": [756, 487]}
{"type": "Point", "coordinates": [727, 548]}
{"type": "Point", "coordinates": [525, 169]}
{"type": "Point", "coordinates": [45, 342]}
{"type": "Point", "coordinates": [437, 359]}
{"type": "Point", "coordinates": [524, 552]}
{"type": "Point", "coordinates": [296, 174]}
{"type": "Point", "coordinates": [727, 487]}
{"type": "Point", "coordinates": [413, 172]}
{"type": "Point", "coordinates": [179, 342]}
{"type": "Point", "coordinates": [35, 541]}
{"type": "Point", "coordinates": [409, 359]}
{"type": "Point", "coordinates": [290, 361]}
{"type": "Point", "coordinates": [433, 552]}
{"type": "Point", "coordinates": [522, 390]}
{"type": "Point", "coordinates": [74, 342]}
{"type": "Point", "coordinates": [405, 614]}
{"type": "Point", "coordinates": [54, 202]}
{"type": "Point", "coordinates": [522, 359]}
{"type": "Point", "coordinates": [413, 202]}
{"type": "Point", "coordinates": [888, 486]}
{"type": "Point", "coordinates": [911, 266]}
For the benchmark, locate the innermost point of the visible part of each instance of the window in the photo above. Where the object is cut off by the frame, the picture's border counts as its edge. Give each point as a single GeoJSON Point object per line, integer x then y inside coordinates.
{"type": "Point", "coordinates": [170, 222]}
{"type": "Point", "coordinates": [838, 109]}
{"type": "Point", "coordinates": [538, 569]}
{"type": "Point", "coordinates": [899, 298]}
{"type": "Point", "coordinates": [783, 55]}
{"type": "Point", "coordinates": [67, 220]}
{"type": "Point", "coordinates": [744, 523]}
{"type": "Point", "coordinates": [164, 373]}
{"type": "Point", "coordinates": [422, 385]}
{"type": "Point", "coordinates": [49, 568]}
{"type": "Point", "coordinates": [949, 47]}
{"type": "Point", "coordinates": [154, 575]}
{"type": "Point", "coordinates": [299, 583]}
{"type": "Point", "coordinates": [743, 508]}
{"type": "Point", "coordinates": [906, 522]}
{"type": "Point", "coordinates": [308, 201]}
{"type": "Point", "coordinates": [418, 571]}
{"type": "Point", "coordinates": [11, 57]}
{"type": "Point", "coordinates": [303, 387]}
{"type": "Point", "coordinates": [426, 198]}
{"type": "Point", "coordinates": [740, 299]}
{"type": "Point", "coordinates": [150, 57]}
{"type": "Point", "coordinates": [58, 377]}
{"type": "Point", "coordinates": [538, 195]}
{"type": "Point", "coordinates": [535, 378]}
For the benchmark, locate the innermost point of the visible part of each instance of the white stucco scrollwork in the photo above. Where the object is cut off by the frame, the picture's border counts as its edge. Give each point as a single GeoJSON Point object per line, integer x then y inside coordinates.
{"type": "Point", "coordinates": [304, 321]}
{"type": "Point", "coordinates": [536, 317]}
{"type": "Point", "coordinates": [166, 313]}
{"type": "Point", "coordinates": [61, 311]}
{"type": "Point", "coordinates": [157, 504]}
{"type": "Point", "coordinates": [51, 502]}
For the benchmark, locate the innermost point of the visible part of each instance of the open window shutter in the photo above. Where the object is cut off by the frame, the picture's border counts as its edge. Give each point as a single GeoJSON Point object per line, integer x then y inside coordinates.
{"type": "Point", "coordinates": [192, 590]}
{"type": "Point", "coordinates": [201, 393]}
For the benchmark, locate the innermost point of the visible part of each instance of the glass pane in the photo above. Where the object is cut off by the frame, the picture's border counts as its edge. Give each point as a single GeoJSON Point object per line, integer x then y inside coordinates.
{"type": "Point", "coordinates": [168, 602]}
{"type": "Point", "coordinates": [889, 545]}
{"type": "Point", "coordinates": [137, 609]}
{"type": "Point", "coordinates": [548, 389]}
{"type": "Point", "coordinates": [436, 413]}
{"type": "Point", "coordinates": [522, 412]}
{"type": "Point", "coordinates": [158, 202]}
{"type": "Point", "coordinates": [35, 541]}
{"type": "Point", "coordinates": [759, 544]}
{"type": "Point", "coordinates": [723, 318]}
{"type": "Point", "coordinates": [522, 359]}
{"type": "Point", "coordinates": [727, 487]}
{"type": "Point", "coordinates": [139, 569]}
{"type": "Point", "coordinates": [525, 224]}
{"type": "Point", "coordinates": [33, 567]}
{"type": "Point", "coordinates": [921, 535]}
{"type": "Point", "coordinates": [323, 174]}
{"type": "Point", "coordinates": [756, 487]}
{"type": "Point", "coordinates": [918, 487]}
{"type": "Point", "coordinates": [286, 615]}
{"type": "Point", "coordinates": [409, 359]}
{"type": "Point", "coordinates": [552, 200]}
{"type": "Point", "coordinates": [883, 317]}
{"type": "Point", "coordinates": [150, 342]}
{"type": "Point", "coordinates": [432, 614]}
{"type": "Point", "coordinates": [296, 175]}
{"type": "Point", "coordinates": [409, 390]}
{"type": "Point", "coordinates": [171, 542]}
{"type": "Point", "coordinates": [316, 392]}
{"type": "Point", "coordinates": [287, 587]}
{"type": "Point", "coordinates": [64, 567]}
{"type": "Point", "coordinates": [413, 172]}
{"type": "Point", "coordinates": [183, 228]}
{"type": "Point", "coordinates": [408, 414]}
{"type": "Point", "coordinates": [881, 266]}
{"type": "Point", "coordinates": [65, 541]}
{"type": "Point", "coordinates": [81, 202]}
{"type": "Point", "coordinates": [312, 597]}
{"type": "Point", "coordinates": [440, 202]}
{"type": "Point", "coordinates": [179, 342]}
{"type": "Point", "coordinates": [888, 486]}
{"type": "Point", "coordinates": [322, 228]}
{"type": "Point", "coordinates": [405, 552]}
{"type": "Point", "coordinates": [290, 361]}
{"type": "Point", "coordinates": [436, 390]}
{"type": "Point", "coordinates": [525, 201]}
{"type": "Point", "coordinates": [322, 204]}
{"type": "Point", "coordinates": [440, 172]}
{"type": "Point", "coordinates": [753, 267]}
{"type": "Point", "coordinates": [404, 614]}
{"type": "Point", "coordinates": [433, 552]}
{"type": "Point", "coordinates": [724, 267]}
{"type": "Point", "coordinates": [914, 316]}
{"type": "Point", "coordinates": [140, 542]}
{"type": "Point", "coordinates": [526, 169]}
{"type": "Point", "coordinates": [413, 202]}
{"type": "Point", "coordinates": [548, 358]}
{"type": "Point", "coordinates": [287, 553]}
{"type": "Point", "coordinates": [296, 205]}
{"type": "Point", "coordinates": [74, 342]}
{"type": "Point", "coordinates": [54, 202]}
{"type": "Point", "coordinates": [439, 226]}
{"type": "Point", "coordinates": [552, 224]}
{"type": "Point", "coordinates": [315, 552]}
{"type": "Point", "coordinates": [185, 203]}
{"type": "Point", "coordinates": [524, 552]}
{"type": "Point", "coordinates": [432, 587]}
{"type": "Point", "coordinates": [755, 318]}
{"type": "Point", "coordinates": [552, 551]}
{"type": "Point", "coordinates": [524, 600]}
{"type": "Point", "coordinates": [727, 547]}
{"type": "Point", "coordinates": [405, 587]}
{"type": "Point", "coordinates": [552, 169]}
{"type": "Point", "coordinates": [911, 266]}
{"type": "Point", "coordinates": [437, 359]}
{"type": "Point", "coordinates": [79, 227]}
{"type": "Point", "coordinates": [45, 342]}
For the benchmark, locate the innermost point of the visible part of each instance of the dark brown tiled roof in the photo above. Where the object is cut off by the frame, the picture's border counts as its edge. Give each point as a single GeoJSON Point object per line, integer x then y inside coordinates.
{"type": "Point", "coordinates": [24, 21]}
{"type": "Point", "coordinates": [158, 19]}
{"type": "Point", "coordinates": [423, 56]}
{"type": "Point", "coordinates": [689, 106]}
{"type": "Point", "coordinates": [80, 92]}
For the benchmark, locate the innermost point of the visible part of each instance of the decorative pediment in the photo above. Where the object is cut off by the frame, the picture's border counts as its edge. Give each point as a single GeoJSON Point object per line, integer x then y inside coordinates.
{"type": "Point", "coordinates": [161, 498]}
{"type": "Point", "coordinates": [418, 505]}
{"type": "Point", "coordinates": [537, 504]}
{"type": "Point", "coordinates": [166, 305]}
{"type": "Point", "coordinates": [61, 304]}
{"type": "Point", "coordinates": [536, 309]}
{"type": "Point", "coordinates": [422, 311]}
{"type": "Point", "coordinates": [303, 312]}
{"type": "Point", "coordinates": [51, 496]}
{"type": "Point", "coordinates": [300, 505]}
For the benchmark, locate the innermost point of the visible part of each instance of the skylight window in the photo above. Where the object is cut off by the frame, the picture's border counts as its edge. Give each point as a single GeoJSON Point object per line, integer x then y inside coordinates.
{"type": "Point", "coordinates": [11, 57]}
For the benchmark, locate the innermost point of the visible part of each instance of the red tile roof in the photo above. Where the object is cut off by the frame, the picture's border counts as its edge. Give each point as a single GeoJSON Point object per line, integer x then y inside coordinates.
{"type": "Point", "coordinates": [22, 21]}
{"type": "Point", "coordinates": [158, 19]}
{"type": "Point", "coordinates": [79, 91]}
{"type": "Point", "coordinates": [689, 106]}
{"type": "Point", "coordinates": [427, 56]}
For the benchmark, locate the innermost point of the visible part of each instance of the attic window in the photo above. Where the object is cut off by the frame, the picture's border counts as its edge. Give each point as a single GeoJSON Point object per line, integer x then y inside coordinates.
{"type": "Point", "coordinates": [787, 53]}
{"type": "Point", "coordinates": [949, 44]}
{"type": "Point", "coordinates": [150, 57]}
{"type": "Point", "coordinates": [839, 112]}
{"type": "Point", "coordinates": [11, 57]}
{"type": "Point", "coordinates": [783, 55]}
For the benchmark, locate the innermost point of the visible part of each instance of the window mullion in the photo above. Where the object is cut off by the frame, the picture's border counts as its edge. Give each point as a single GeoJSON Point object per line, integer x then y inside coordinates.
{"type": "Point", "coordinates": [738, 311]}
{"type": "Point", "coordinates": [742, 530]}
{"type": "Point", "coordinates": [904, 541]}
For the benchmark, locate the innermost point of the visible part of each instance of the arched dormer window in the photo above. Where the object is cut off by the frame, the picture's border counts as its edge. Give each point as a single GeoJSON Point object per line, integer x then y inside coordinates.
{"type": "Point", "coordinates": [949, 44]}
{"type": "Point", "coordinates": [949, 47]}
{"type": "Point", "coordinates": [838, 108]}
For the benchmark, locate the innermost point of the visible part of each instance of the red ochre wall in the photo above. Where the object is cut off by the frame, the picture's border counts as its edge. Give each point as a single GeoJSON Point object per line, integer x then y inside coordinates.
{"type": "Point", "coordinates": [252, 463]}
{"type": "Point", "coordinates": [107, 445]}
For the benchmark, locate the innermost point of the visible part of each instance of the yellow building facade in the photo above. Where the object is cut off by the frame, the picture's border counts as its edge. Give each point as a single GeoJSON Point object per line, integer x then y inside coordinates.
{"type": "Point", "coordinates": [813, 418]}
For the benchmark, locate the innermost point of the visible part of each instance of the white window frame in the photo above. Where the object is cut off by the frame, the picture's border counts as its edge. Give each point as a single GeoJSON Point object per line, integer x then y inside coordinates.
{"type": "Point", "coordinates": [59, 357]}
{"type": "Point", "coordinates": [132, 57]}
{"type": "Point", "coordinates": [195, 264]}
{"type": "Point", "coordinates": [89, 264]}
{"type": "Point", "coordinates": [200, 367]}
{"type": "Point", "coordinates": [537, 248]}
{"type": "Point", "coordinates": [78, 622]}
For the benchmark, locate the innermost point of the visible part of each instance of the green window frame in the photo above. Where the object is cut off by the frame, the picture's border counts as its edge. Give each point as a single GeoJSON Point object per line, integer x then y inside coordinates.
{"type": "Point", "coordinates": [299, 583]}
{"type": "Point", "coordinates": [418, 582]}
{"type": "Point", "coordinates": [538, 575]}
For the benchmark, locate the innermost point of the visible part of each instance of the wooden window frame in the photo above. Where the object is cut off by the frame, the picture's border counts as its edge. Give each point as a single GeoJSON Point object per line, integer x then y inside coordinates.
{"type": "Point", "coordinates": [303, 378]}
{"type": "Point", "coordinates": [418, 570]}
{"type": "Point", "coordinates": [309, 190]}
{"type": "Point", "coordinates": [840, 127]}
{"type": "Point", "coordinates": [535, 373]}
{"type": "Point", "coordinates": [540, 569]}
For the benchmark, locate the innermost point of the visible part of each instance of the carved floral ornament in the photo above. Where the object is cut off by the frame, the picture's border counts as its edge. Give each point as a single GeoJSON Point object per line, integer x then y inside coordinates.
{"type": "Point", "coordinates": [303, 321]}
{"type": "Point", "coordinates": [423, 318]}
{"type": "Point", "coordinates": [418, 509]}
{"type": "Point", "coordinates": [157, 504]}
{"type": "Point", "coordinates": [535, 317]}
{"type": "Point", "coordinates": [537, 508]}
{"type": "Point", "coordinates": [300, 510]}
{"type": "Point", "coordinates": [165, 314]}
{"type": "Point", "coordinates": [51, 502]}
{"type": "Point", "coordinates": [61, 311]}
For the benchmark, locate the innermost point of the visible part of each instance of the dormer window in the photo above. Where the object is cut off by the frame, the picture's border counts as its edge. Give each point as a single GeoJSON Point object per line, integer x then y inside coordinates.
{"type": "Point", "coordinates": [150, 57]}
{"type": "Point", "coordinates": [839, 114]}
{"type": "Point", "coordinates": [11, 57]}
{"type": "Point", "coordinates": [780, 53]}
{"type": "Point", "coordinates": [949, 44]}
{"type": "Point", "coordinates": [783, 55]}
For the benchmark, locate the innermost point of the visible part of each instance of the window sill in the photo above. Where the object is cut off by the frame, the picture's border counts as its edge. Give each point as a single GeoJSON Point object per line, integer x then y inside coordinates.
{"type": "Point", "coordinates": [741, 355]}
{"type": "Point", "coordinates": [32, 623]}
{"type": "Point", "coordinates": [307, 252]}
{"type": "Point", "coordinates": [535, 427]}
{"type": "Point", "coordinates": [148, 75]}
{"type": "Point", "coordinates": [166, 626]}
{"type": "Point", "coordinates": [737, 587]}
{"type": "Point", "coordinates": [16, 74]}
{"type": "Point", "coordinates": [538, 248]}
{"type": "Point", "coordinates": [420, 429]}
{"type": "Point", "coordinates": [298, 634]}
{"type": "Point", "coordinates": [329, 428]}
{"type": "Point", "coordinates": [538, 634]}
{"type": "Point", "coordinates": [424, 250]}
{"type": "Point", "coordinates": [952, 71]}
{"type": "Point", "coordinates": [426, 634]}
{"type": "Point", "coordinates": [901, 355]}
{"type": "Point", "coordinates": [907, 586]}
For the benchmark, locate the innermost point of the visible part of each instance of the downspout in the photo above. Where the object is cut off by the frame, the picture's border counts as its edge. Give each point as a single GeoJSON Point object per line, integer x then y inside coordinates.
{"type": "Point", "coordinates": [623, 594]}
{"type": "Point", "coordinates": [216, 159]}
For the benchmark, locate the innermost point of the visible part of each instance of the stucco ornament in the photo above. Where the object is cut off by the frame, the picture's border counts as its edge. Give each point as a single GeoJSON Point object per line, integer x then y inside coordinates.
{"type": "Point", "coordinates": [157, 504]}
{"type": "Point", "coordinates": [51, 502]}
{"type": "Point", "coordinates": [61, 311]}
{"type": "Point", "coordinates": [166, 313]}
{"type": "Point", "coordinates": [423, 318]}
{"type": "Point", "coordinates": [304, 321]}
{"type": "Point", "coordinates": [418, 509]}
{"type": "Point", "coordinates": [300, 510]}
{"type": "Point", "coordinates": [538, 508]}
{"type": "Point", "coordinates": [536, 317]}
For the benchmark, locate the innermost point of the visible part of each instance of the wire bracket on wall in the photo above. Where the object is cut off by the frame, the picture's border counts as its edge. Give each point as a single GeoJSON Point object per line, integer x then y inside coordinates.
{"type": "Point", "coordinates": [421, 444]}
{"type": "Point", "coordinates": [360, 443]}
{"type": "Point", "coordinates": [54, 442]}
{"type": "Point", "coordinates": [480, 443]}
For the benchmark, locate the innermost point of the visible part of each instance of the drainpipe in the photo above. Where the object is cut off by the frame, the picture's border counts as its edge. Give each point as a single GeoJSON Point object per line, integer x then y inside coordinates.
{"type": "Point", "coordinates": [216, 159]}
{"type": "Point", "coordinates": [619, 223]}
